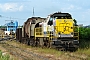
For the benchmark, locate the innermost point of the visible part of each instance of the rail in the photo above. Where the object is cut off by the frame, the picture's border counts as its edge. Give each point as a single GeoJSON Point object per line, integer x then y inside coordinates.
{"type": "Point", "coordinates": [7, 37]}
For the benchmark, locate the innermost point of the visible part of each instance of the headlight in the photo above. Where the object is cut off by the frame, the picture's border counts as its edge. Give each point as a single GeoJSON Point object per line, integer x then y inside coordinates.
{"type": "Point", "coordinates": [71, 35]}
{"type": "Point", "coordinates": [58, 35]}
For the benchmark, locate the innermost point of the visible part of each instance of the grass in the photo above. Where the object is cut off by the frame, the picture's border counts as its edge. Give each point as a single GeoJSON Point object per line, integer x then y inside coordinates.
{"type": "Point", "coordinates": [37, 49]}
{"type": "Point", "coordinates": [48, 51]}
{"type": "Point", "coordinates": [4, 57]}
{"type": "Point", "coordinates": [82, 50]}
{"type": "Point", "coordinates": [84, 44]}
{"type": "Point", "coordinates": [88, 58]}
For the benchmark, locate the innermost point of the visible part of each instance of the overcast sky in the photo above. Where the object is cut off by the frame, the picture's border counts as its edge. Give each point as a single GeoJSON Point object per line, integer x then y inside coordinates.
{"type": "Point", "coordinates": [21, 10]}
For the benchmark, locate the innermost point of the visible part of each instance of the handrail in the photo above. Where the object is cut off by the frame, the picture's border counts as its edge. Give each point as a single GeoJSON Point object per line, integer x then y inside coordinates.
{"type": "Point", "coordinates": [76, 32]}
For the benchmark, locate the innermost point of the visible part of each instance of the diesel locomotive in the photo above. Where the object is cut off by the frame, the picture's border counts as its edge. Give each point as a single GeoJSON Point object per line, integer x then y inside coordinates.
{"type": "Point", "coordinates": [58, 30]}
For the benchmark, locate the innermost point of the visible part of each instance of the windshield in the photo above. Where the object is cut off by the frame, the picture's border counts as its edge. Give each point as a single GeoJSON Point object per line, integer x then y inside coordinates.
{"type": "Point", "coordinates": [61, 16]}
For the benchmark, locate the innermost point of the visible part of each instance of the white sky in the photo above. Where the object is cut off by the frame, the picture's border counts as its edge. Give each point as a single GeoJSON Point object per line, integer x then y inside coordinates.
{"type": "Point", "coordinates": [21, 10]}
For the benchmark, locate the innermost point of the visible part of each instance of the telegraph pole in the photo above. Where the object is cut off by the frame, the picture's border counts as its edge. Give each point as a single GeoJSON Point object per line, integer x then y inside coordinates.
{"type": "Point", "coordinates": [33, 11]}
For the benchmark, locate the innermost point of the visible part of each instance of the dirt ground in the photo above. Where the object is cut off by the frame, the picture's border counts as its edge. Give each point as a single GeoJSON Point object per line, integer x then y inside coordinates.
{"type": "Point", "coordinates": [19, 51]}
{"type": "Point", "coordinates": [2, 32]}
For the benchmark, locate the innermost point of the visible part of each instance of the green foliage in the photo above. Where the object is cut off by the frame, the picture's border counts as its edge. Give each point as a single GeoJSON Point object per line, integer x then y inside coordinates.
{"type": "Point", "coordinates": [2, 26]}
{"type": "Point", "coordinates": [84, 35]}
{"type": "Point", "coordinates": [84, 44]}
{"type": "Point", "coordinates": [4, 57]}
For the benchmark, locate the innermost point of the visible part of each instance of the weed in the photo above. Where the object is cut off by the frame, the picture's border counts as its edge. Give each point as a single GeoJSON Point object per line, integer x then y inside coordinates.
{"type": "Point", "coordinates": [4, 57]}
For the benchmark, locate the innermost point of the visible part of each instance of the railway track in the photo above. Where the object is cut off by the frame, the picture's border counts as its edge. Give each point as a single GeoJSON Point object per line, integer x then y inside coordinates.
{"type": "Point", "coordinates": [25, 54]}
{"type": "Point", "coordinates": [22, 53]}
